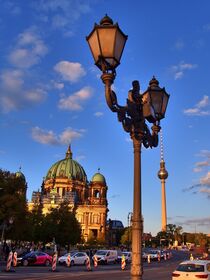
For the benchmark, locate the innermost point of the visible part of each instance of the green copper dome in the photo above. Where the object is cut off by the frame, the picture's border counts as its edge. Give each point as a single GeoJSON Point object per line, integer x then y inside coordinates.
{"type": "Point", "coordinates": [67, 168]}
{"type": "Point", "coordinates": [19, 174]}
{"type": "Point", "coordinates": [98, 177]}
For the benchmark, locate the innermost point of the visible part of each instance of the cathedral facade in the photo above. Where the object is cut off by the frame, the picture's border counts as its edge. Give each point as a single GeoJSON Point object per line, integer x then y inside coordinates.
{"type": "Point", "coordinates": [66, 180]}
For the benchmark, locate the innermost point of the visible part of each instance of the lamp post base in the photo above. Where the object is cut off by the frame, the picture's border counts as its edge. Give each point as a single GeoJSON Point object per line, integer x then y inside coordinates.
{"type": "Point", "coordinates": [136, 273]}
{"type": "Point", "coordinates": [136, 277]}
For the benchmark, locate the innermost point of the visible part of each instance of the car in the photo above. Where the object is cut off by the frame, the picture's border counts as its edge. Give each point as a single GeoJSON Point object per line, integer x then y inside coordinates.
{"type": "Point", "coordinates": [128, 257]}
{"type": "Point", "coordinates": [154, 254]}
{"type": "Point", "coordinates": [192, 270]}
{"type": "Point", "coordinates": [144, 256]}
{"type": "Point", "coordinates": [34, 258]}
{"type": "Point", "coordinates": [76, 258]}
{"type": "Point", "coordinates": [106, 256]}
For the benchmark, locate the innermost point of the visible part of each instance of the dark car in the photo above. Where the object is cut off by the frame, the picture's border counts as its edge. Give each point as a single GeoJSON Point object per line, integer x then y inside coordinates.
{"type": "Point", "coordinates": [34, 258]}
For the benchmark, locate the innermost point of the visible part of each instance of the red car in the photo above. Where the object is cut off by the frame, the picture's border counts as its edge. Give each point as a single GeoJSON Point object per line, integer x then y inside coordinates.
{"type": "Point", "coordinates": [35, 258]}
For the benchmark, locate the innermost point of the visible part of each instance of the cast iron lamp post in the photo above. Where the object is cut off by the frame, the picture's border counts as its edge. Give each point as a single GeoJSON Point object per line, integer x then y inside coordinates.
{"type": "Point", "coordinates": [107, 42]}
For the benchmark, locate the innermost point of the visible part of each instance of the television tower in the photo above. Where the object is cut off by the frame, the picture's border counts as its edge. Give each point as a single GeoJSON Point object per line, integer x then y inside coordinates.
{"type": "Point", "coordinates": [163, 175]}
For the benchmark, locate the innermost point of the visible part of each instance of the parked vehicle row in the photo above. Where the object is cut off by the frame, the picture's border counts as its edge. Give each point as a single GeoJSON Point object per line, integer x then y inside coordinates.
{"type": "Point", "coordinates": [80, 258]}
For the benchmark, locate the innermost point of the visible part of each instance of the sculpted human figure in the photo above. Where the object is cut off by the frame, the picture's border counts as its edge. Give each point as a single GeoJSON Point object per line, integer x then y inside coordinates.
{"type": "Point", "coordinates": [134, 94]}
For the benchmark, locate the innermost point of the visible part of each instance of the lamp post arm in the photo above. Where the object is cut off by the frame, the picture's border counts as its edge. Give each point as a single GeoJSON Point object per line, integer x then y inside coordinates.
{"type": "Point", "coordinates": [151, 139]}
{"type": "Point", "coordinates": [111, 98]}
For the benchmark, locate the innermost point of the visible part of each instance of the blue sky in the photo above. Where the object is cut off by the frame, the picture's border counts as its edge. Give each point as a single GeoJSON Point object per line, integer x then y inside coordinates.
{"type": "Point", "coordinates": [51, 94]}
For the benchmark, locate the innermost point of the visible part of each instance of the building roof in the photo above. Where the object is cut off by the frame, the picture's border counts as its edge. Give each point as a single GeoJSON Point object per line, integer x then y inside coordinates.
{"type": "Point", "coordinates": [67, 168]}
{"type": "Point", "coordinates": [19, 174]}
{"type": "Point", "coordinates": [99, 178]}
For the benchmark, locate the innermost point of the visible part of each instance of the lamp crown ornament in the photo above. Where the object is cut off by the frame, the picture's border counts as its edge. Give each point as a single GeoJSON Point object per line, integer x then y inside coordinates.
{"type": "Point", "coordinates": [106, 20]}
{"type": "Point", "coordinates": [154, 82]}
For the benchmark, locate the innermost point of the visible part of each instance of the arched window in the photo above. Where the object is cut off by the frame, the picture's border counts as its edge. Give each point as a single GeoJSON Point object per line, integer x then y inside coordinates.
{"type": "Point", "coordinates": [96, 194]}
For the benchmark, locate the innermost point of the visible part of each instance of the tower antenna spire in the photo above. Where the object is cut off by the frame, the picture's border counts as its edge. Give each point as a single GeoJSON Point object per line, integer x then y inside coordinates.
{"type": "Point", "coordinates": [163, 175]}
{"type": "Point", "coordinates": [161, 146]}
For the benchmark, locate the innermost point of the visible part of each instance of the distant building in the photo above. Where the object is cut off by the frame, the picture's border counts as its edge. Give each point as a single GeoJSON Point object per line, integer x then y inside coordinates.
{"type": "Point", "coordinates": [66, 180]}
{"type": "Point", "coordinates": [114, 230]}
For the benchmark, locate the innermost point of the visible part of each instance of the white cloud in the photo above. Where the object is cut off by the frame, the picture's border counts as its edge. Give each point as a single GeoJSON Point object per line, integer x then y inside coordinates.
{"type": "Point", "coordinates": [198, 221]}
{"type": "Point", "coordinates": [202, 163]}
{"type": "Point", "coordinates": [49, 137]}
{"type": "Point", "coordinates": [58, 85]}
{"type": "Point", "coordinates": [29, 49]}
{"type": "Point", "coordinates": [70, 71]}
{"type": "Point", "coordinates": [43, 136]}
{"type": "Point", "coordinates": [62, 14]}
{"type": "Point", "coordinates": [179, 70]}
{"type": "Point", "coordinates": [12, 79]}
{"type": "Point", "coordinates": [12, 7]}
{"type": "Point", "coordinates": [36, 95]}
{"type": "Point", "coordinates": [204, 102]}
{"type": "Point", "coordinates": [197, 110]}
{"type": "Point", "coordinates": [197, 169]}
{"type": "Point", "coordinates": [205, 153]}
{"type": "Point", "coordinates": [74, 101]}
{"type": "Point", "coordinates": [98, 114]}
{"type": "Point", "coordinates": [205, 191]}
{"type": "Point", "coordinates": [206, 179]}
{"type": "Point", "coordinates": [14, 94]}
{"type": "Point", "coordinates": [16, 100]}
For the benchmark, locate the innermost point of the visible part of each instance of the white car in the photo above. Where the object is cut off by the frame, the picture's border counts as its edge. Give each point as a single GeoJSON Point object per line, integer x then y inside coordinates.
{"type": "Point", "coordinates": [76, 258]}
{"type": "Point", "coordinates": [192, 270]}
{"type": "Point", "coordinates": [128, 257]}
{"type": "Point", "coordinates": [106, 256]}
{"type": "Point", "coordinates": [154, 254]}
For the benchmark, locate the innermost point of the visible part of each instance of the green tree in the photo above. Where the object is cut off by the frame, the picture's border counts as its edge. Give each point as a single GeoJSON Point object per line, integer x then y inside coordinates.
{"type": "Point", "coordinates": [126, 237]}
{"type": "Point", "coordinates": [13, 205]}
{"type": "Point", "coordinates": [174, 232]}
{"type": "Point", "coordinates": [35, 220]}
{"type": "Point", "coordinates": [61, 224]}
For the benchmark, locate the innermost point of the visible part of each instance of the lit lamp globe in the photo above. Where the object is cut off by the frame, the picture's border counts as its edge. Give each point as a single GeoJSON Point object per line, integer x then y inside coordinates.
{"type": "Point", "coordinates": [155, 101]}
{"type": "Point", "coordinates": [106, 42]}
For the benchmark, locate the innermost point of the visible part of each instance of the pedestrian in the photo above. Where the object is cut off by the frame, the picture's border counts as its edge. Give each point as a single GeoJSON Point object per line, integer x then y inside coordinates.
{"type": "Point", "coordinates": [7, 251]}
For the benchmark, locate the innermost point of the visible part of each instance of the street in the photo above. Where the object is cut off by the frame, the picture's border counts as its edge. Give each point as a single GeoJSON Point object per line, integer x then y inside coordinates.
{"type": "Point", "coordinates": [155, 270]}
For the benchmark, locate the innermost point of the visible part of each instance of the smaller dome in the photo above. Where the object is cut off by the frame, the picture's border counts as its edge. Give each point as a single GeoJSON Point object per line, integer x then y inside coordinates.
{"type": "Point", "coordinates": [99, 178]}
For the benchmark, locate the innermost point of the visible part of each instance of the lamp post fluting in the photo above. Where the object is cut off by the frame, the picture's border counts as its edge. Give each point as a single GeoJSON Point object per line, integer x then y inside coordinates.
{"type": "Point", "coordinates": [107, 42]}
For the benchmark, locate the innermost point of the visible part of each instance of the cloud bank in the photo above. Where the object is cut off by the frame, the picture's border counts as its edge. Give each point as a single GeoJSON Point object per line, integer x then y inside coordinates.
{"type": "Point", "coordinates": [202, 108]}
{"type": "Point", "coordinates": [48, 137]}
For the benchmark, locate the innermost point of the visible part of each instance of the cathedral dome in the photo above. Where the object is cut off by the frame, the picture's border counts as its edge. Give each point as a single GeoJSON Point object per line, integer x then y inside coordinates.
{"type": "Point", "coordinates": [19, 174]}
{"type": "Point", "coordinates": [67, 168]}
{"type": "Point", "coordinates": [99, 178]}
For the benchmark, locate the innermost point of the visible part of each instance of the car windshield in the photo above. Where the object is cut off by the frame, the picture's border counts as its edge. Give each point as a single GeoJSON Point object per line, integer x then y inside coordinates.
{"type": "Point", "coordinates": [190, 267]}
{"type": "Point", "coordinates": [30, 254]}
{"type": "Point", "coordinates": [124, 253]}
{"type": "Point", "coordinates": [102, 253]}
{"type": "Point", "coordinates": [73, 253]}
{"type": "Point", "coordinates": [66, 255]}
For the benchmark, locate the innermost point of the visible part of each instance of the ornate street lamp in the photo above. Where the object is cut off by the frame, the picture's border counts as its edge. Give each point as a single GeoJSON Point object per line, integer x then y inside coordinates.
{"type": "Point", "coordinates": [107, 42]}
